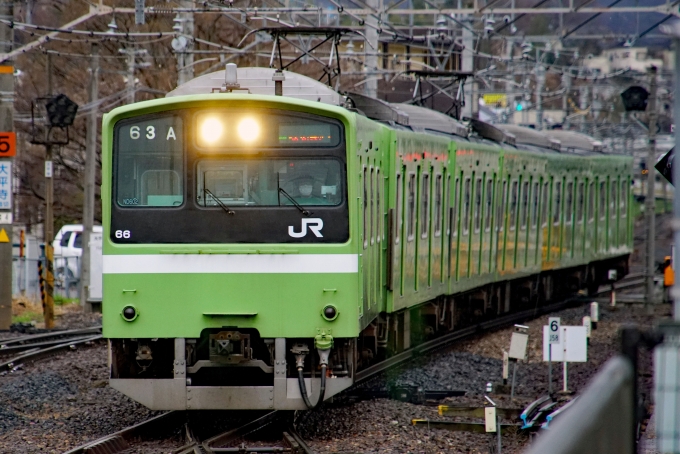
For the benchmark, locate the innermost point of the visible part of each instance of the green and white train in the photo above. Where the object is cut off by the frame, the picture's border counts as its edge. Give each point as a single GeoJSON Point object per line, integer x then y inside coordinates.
{"type": "Point", "coordinates": [259, 250]}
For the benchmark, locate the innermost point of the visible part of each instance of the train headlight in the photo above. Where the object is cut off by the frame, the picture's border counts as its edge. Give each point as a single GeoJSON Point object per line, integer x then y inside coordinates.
{"type": "Point", "coordinates": [330, 312]}
{"type": "Point", "coordinates": [129, 313]}
{"type": "Point", "coordinates": [211, 130]}
{"type": "Point", "coordinates": [248, 130]}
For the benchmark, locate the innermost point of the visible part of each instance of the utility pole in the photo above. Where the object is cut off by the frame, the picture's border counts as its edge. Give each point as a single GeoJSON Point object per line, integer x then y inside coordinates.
{"type": "Point", "coordinates": [467, 65]}
{"type": "Point", "coordinates": [7, 150]}
{"type": "Point", "coordinates": [184, 24]}
{"type": "Point", "coordinates": [48, 227]}
{"type": "Point", "coordinates": [371, 49]}
{"type": "Point", "coordinates": [132, 65]}
{"type": "Point", "coordinates": [566, 81]}
{"type": "Point", "coordinates": [89, 177]}
{"type": "Point", "coordinates": [650, 205]}
{"type": "Point", "coordinates": [540, 83]}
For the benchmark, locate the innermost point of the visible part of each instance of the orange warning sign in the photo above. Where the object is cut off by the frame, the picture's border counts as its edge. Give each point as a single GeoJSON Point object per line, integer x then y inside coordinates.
{"type": "Point", "coordinates": [8, 144]}
{"type": "Point", "coordinates": [3, 236]}
{"type": "Point", "coordinates": [6, 69]}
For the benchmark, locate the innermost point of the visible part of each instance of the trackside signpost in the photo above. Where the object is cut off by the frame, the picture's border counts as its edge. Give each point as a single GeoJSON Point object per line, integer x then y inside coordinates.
{"type": "Point", "coordinates": [553, 338]}
{"type": "Point", "coordinates": [572, 347]}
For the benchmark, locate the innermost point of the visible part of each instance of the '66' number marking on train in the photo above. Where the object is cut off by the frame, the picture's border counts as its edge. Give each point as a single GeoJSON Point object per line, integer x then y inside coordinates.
{"type": "Point", "coordinates": [122, 234]}
{"type": "Point", "coordinates": [314, 224]}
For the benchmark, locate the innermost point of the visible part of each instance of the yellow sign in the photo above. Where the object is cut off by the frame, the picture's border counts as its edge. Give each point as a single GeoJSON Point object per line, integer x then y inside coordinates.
{"type": "Point", "coordinates": [3, 236]}
{"type": "Point", "coordinates": [496, 99]}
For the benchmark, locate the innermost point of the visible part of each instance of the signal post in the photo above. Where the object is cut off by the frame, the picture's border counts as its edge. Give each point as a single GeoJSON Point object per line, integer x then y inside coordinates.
{"type": "Point", "coordinates": [7, 152]}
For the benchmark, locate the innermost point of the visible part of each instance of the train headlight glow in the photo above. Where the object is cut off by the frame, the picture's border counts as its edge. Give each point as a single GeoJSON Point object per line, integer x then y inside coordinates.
{"type": "Point", "coordinates": [211, 130]}
{"type": "Point", "coordinates": [248, 130]}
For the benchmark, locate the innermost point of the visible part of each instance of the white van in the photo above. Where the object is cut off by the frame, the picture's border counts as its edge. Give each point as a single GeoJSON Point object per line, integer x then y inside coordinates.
{"type": "Point", "coordinates": [68, 249]}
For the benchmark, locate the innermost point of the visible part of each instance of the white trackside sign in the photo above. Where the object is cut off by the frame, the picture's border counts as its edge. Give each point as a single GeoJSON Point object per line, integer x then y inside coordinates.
{"type": "Point", "coordinates": [314, 224]}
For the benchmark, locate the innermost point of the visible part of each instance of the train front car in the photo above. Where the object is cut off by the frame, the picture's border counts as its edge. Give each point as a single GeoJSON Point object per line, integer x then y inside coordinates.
{"type": "Point", "coordinates": [229, 270]}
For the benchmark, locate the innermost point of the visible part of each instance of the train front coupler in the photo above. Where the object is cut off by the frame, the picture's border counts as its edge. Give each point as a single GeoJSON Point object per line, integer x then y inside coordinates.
{"type": "Point", "coordinates": [323, 342]}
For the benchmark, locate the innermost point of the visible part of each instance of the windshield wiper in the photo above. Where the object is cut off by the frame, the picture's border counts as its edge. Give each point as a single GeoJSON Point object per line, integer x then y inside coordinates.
{"type": "Point", "coordinates": [297, 205]}
{"type": "Point", "coordinates": [219, 202]}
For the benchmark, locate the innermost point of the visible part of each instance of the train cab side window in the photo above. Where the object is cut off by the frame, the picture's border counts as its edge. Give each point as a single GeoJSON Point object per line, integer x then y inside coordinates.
{"type": "Point", "coordinates": [500, 217]}
{"type": "Point", "coordinates": [603, 201]}
{"type": "Point", "coordinates": [365, 192]}
{"type": "Point", "coordinates": [489, 205]}
{"type": "Point", "coordinates": [438, 205]}
{"type": "Point", "coordinates": [612, 200]}
{"type": "Point", "coordinates": [466, 206]}
{"type": "Point", "coordinates": [545, 204]}
{"type": "Point", "coordinates": [591, 202]}
{"type": "Point", "coordinates": [569, 202]}
{"type": "Point", "coordinates": [371, 207]}
{"type": "Point", "coordinates": [455, 205]}
{"type": "Point", "coordinates": [400, 211]}
{"type": "Point", "coordinates": [411, 206]}
{"type": "Point", "coordinates": [534, 210]}
{"type": "Point", "coordinates": [478, 204]}
{"type": "Point", "coordinates": [557, 211]}
{"type": "Point", "coordinates": [580, 203]}
{"type": "Point", "coordinates": [513, 204]}
{"type": "Point", "coordinates": [623, 201]}
{"type": "Point", "coordinates": [525, 205]}
{"type": "Point", "coordinates": [425, 206]}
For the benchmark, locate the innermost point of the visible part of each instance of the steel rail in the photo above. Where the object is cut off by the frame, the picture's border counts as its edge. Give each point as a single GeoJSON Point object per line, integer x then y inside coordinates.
{"type": "Point", "coordinates": [48, 351]}
{"type": "Point", "coordinates": [53, 334]}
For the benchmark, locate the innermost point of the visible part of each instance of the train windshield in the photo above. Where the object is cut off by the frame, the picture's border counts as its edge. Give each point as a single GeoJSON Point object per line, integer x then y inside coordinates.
{"type": "Point", "coordinates": [269, 182]}
{"type": "Point", "coordinates": [180, 170]}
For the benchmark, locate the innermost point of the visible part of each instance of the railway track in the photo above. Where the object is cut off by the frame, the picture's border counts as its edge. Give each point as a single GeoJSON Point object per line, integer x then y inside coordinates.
{"type": "Point", "coordinates": [37, 346]}
{"type": "Point", "coordinates": [281, 421]}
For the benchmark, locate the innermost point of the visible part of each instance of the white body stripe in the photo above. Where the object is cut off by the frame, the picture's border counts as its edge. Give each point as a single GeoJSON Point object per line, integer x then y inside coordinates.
{"type": "Point", "coordinates": [231, 263]}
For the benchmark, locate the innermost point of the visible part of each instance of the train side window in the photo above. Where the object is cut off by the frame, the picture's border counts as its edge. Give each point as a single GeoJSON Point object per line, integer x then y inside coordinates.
{"type": "Point", "coordinates": [500, 217]}
{"type": "Point", "coordinates": [558, 203]}
{"type": "Point", "coordinates": [569, 203]}
{"type": "Point", "coordinates": [513, 204]}
{"type": "Point", "coordinates": [378, 208]}
{"type": "Point", "coordinates": [591, 202]}
{"type": "Point", "coordinates": [525, 205]}
{"type": "Point", "coordinates": [580, 203]}
{"type": "Point", "coordinates": [425, 206]}
{"type": "Point", "coordinates": [466, 207]}
{"type": "Point", "coordinates": [534, 210]}
{"type": "Point", "coordinates": [478, 204]}
{"type": "Point", "coordinates": [603, 201]}
{"type": "Point", "coordinates": [400, 211]}
{"type": "Point", "coordinates": [456, 202]}
{"type": "Point", "coordinates": [438, 205]}
{"type": "Point", "coordinates": [623, 201]}
{"type": "Point", "coordinates": [612, 201]}
{"type": "Point", "coordinates": [447, 196]}
{"type": "Point", "coordinates": [411, 207]}
{"type": "Point", "coordinates": [489, 205]}
{"type": "Point", "coordinates": [545, 204]}
{"type": "Point", "coordinates": [365, 226]}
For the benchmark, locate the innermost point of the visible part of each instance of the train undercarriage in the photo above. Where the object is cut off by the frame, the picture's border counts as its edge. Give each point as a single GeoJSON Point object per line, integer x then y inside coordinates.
{"type": "Point", "coordinates": [232, 368]}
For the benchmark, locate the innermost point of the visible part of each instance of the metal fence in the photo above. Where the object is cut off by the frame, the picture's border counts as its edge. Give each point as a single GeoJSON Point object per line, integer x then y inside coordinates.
{"type": "Point", "coordinates": [602, 421]}
{"type": "Point", "coordinates": [26, 280]}
{"type": "Point", "coordinates": [607, 417]}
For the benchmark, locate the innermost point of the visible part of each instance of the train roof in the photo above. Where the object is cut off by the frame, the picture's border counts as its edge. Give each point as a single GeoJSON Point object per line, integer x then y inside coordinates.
{"type": "Point", "coordinates": [376, 109]}
{"type": "Point", "coordinates": [260, 81]}
{"type": "Point", "coordinates": [528, 136]}
{"type": "Point", "coordinates": [575, 141]}
{"type": "Point", "coordinates": [422, 118]}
